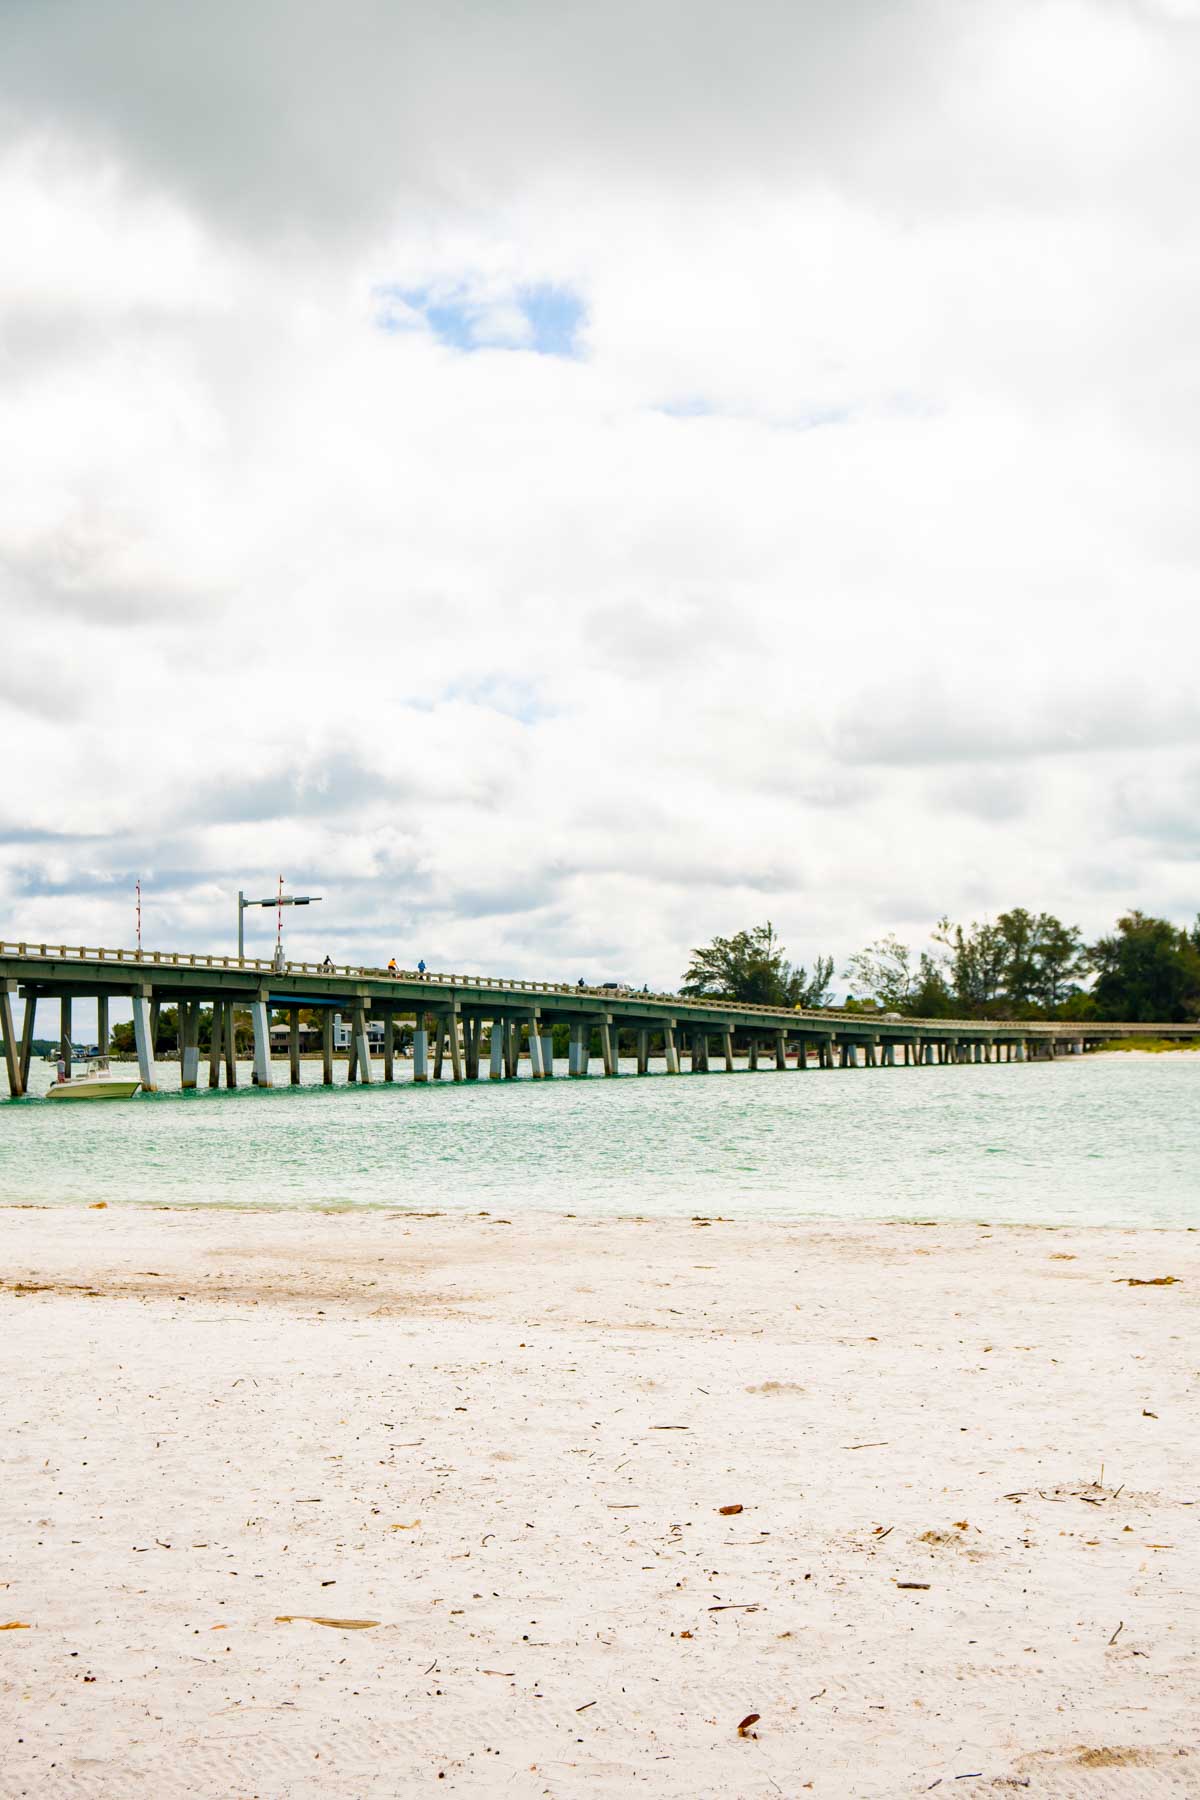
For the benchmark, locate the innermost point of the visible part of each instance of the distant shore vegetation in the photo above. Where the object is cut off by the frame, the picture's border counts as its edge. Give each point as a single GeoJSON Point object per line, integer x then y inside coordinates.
{"type": "Point", "coordinates": [1022, 965]}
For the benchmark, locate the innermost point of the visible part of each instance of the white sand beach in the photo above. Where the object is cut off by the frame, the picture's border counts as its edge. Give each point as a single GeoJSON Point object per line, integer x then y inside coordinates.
{"type": "Point", "coordinates": [967, 1556]}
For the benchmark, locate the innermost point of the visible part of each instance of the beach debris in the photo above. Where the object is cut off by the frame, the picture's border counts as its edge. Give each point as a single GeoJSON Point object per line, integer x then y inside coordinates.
{"type": "Point", "coordinates": [1148, 1415]}
{"type": "Point", "coordinates": [585, 1706]}
{"type": "Point", "coordinates": [750, 1719]}
{"type": "Point", "coordinates": [961, 1525]}
{"type": "Point", "coordinates": [98, 1206]}
{"type": "Point", "coordinates": [880, 1444]}
{"type": "Point", "coordinates": [316, 1619]}
{"type": "Point", "coordinates": [399, 1527]}
{"type": "Point", "coordinates": [1116, 1634]}
{"type": "Point", "coordinates": [1151, 1281]}
{"type": "Point", "coordinates": [882, 1531]}
{"type": "Point", "coordinates": [686, 1634]}
{"type": "Point", "coordinates": [16, 1625]}
{"type": "Point", "coordinates": [727, 1512]}
{"type": "Point", "coordinates": [912, 1584]}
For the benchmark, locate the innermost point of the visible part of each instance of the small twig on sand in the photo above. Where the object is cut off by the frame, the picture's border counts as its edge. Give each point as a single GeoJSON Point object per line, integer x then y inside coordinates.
{"type": "Point", "coordinates": [1116, 1634]}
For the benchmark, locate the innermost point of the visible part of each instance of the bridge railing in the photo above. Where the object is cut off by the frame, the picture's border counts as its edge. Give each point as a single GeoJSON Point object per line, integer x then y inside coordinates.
{"type": "Point", "coordinates": [96, 957]}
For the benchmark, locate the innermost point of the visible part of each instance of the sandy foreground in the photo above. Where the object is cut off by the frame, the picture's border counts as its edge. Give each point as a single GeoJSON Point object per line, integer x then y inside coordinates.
{"type": "Point", "coordinates": [965, 1457]}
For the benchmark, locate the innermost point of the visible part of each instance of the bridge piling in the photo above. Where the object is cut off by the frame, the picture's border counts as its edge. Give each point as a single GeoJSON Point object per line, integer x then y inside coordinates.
{"type": "Point", "coordinates": [143, 1041]}
{"type": "Point", "coordinates": [421, 1050]}
{"type": "Point", "coordinates": [12, 1054]}
{"type": "Point", "coordinates": [262, 1041]}
{"type": "Point", "coordinates": [214, 1046]}
{"type": "Point", "coordinates": [27, 1035]}
{"type": "Point", "coordinates": [189, 1043]}
{"type": "Point", "coordinates": [64, 1031]}
{"type": "Point", "coordinates": [327, 1046]}
{"type": "Point", "coordinates": [230, 1039]}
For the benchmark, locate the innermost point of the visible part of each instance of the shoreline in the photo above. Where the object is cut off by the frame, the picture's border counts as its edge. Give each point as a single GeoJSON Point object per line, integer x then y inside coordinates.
{"type": "Point", "coordinates": [507, 1438]}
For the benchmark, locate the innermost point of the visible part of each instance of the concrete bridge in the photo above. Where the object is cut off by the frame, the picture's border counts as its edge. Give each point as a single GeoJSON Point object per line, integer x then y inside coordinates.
{"type": "Point", "coordinates": [452, 1011]}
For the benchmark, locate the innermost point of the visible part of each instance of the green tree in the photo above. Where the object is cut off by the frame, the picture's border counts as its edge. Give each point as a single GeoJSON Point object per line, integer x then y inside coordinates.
{"type": "Point", "coordinates": [1042, 959]}
{"type": "Point", "coordinates": [883, 972]}
{"type": "Point", "coordinates": [751, 968]}
{"type": "Point", "coordinates": [1059, 956]}
{"type": "Point", "coordinates": [976, 959]}
{"type": "Point", "coordinates": [1147, 970]}
{"type": "Point", "coordinates": [931, 997]}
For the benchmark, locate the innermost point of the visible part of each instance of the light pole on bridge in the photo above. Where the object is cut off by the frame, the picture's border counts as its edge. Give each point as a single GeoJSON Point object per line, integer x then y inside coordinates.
{"type": "Point", "coordinates": [279, 899]}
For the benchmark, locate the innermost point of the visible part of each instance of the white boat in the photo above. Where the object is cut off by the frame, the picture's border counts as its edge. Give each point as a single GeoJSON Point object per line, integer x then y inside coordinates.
{"type": "Point", "coordinates": [96, 1083]}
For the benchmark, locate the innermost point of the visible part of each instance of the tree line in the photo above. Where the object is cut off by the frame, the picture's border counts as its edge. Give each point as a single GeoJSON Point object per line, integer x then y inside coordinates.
{"type": "Point", "coordinates": [1023, 965]}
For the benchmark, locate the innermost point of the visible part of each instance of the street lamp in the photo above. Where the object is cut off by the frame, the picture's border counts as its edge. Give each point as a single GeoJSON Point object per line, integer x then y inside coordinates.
{"type": "Point", "coordinates": [279, 899]}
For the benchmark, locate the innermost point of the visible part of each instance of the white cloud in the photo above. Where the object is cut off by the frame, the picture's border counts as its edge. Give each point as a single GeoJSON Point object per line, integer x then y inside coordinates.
{"type": "Point", "coordinates": [844, 574]}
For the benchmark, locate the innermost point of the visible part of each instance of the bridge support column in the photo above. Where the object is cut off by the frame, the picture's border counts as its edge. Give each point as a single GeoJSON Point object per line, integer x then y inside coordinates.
{"type": "Point", "coordinates": [870, 1054]}
{"type": "Point", "coordinates": [189, 1044]}
{"type": "Point", "coordinates": [580, 1048]}
{"type": "Point", "coordinates": [889, 1055]}
{"type": "Point", "coordinates": [472, 1028]}
{"type": "Point", "coordinates": [361, 1042]}
{"type": "Point", "coordinates": [439, 1047]}
{"type": "Point", "coordinates": [535, 1051]}
{"type": "Point", "coordinates": [728, 1047]}
{"type": "Point", "coordinates": [456, 1057]}
{"type": "Point", "coordinates": [229, 1036]}
{"type": "Point", "coordinates": [643, 1052]}
{"type": "Point", "coordinates": [145, 1047]}
{"type": "Point", "coordinates": [421, 1050]}
{"type": "Point", "coordinates": [389, 1046]}
{"type": "Point", "coordinates": [781, 1049]}
{"type": "Point", "coordinates": [12, 1054]}
{"type": "Point", "coordinates": [64, 1031]}
{"type": "Point", "coordinates": [671, 1049]}
{"type": "Point", "coordinates": [547, 1040]}
{"type": "Point", "coordinates": [102, 1037]}
{"type": "Point", "coordinates": [327, 1046]}
{"type": "Point", "coordinates": [496, 1052]}
{"type": "Point", "coordinates": [512, 1049]}
{"type": "Point", "coordinates": [753, 1057]}
{"type": "Point", "coordinates": [214, 1045]}
{"type": "Point", "coordinates": [27, 1034]}
{"type": "Point", "coordinates": [262, 1042]}
{"type": "Point", "coordinates": [294, 1045]}
{"type": "Point", "coordinates": [607, 1052]}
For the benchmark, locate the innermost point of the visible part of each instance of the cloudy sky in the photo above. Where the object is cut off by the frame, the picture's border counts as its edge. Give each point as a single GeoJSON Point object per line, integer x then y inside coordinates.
{"type": "Point", "coordinates": [565, 480]}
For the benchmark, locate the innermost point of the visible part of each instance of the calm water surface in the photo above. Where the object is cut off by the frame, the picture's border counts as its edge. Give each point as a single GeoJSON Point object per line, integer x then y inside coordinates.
{"type": "Point", "coordinates": [1106, 1139]}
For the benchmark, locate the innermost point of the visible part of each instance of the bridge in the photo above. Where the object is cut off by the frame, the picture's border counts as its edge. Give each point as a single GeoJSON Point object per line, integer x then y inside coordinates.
{"type": "Point", "coordinates": [450, 1013]}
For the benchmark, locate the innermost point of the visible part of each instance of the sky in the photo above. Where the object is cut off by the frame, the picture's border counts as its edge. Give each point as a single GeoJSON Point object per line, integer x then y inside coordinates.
{"type": "Point", "coordinates": [564, 482]}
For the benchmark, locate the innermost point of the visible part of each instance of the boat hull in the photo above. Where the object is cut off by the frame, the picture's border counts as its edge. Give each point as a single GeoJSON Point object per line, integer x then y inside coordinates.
{"type": "Point", "coordinates": [94, 1090]}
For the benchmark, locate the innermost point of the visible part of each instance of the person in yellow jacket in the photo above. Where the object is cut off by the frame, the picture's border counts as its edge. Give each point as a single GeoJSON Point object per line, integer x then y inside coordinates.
{"type": "Point", "coordinates": [392, 969]}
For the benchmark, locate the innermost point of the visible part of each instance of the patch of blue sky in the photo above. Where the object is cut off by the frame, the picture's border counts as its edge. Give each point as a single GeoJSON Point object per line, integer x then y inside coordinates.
{"type": "Point", "coordinates": [693, 406]}
{"type": "Point", "coordinates": [540, 317]}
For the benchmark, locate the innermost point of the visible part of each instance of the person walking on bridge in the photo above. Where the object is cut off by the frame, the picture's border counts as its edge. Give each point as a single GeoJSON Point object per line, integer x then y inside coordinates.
{"type": "Point", "coordinates": [393, 971]}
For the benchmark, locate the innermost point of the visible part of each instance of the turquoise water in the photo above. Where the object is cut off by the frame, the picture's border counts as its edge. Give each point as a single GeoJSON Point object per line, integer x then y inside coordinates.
{"type": "Point", "coordinates": [1108, 1139]}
